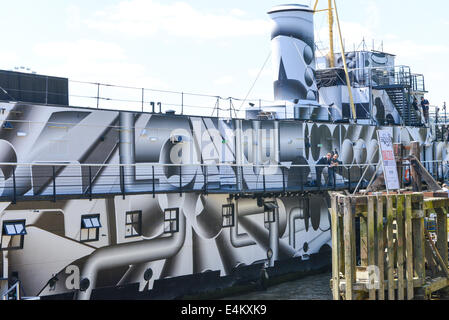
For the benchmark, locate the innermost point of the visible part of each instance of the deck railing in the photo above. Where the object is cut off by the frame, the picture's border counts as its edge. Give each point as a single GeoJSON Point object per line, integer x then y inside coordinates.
{"type": "Point", "coordinates": [53, 181]}
{"type": "Point", "coordinates": [97, 95]}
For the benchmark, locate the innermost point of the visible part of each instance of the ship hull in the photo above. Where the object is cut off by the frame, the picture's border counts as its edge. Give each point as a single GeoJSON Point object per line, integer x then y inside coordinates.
{"type": "Point", "coordinates": [176, 176]}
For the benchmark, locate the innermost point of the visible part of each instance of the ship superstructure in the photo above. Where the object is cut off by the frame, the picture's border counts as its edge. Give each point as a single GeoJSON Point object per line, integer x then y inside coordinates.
{"type": "Point", "coordinates": [99, 203]}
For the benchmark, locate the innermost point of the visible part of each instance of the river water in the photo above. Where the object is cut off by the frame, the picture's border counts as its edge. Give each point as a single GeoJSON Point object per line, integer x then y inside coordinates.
{"type": "Point", "coordinates": [315, 287]}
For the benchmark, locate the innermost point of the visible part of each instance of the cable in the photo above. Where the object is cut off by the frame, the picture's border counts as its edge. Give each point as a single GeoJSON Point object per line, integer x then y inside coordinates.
{"type": "Point", "coordinates": [257, 78]}
{"type": "Point", "coordinates": [6, 92]}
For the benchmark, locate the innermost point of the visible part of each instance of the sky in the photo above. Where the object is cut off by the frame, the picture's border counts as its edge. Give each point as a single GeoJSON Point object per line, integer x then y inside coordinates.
{"type": "Point", "coordinates": [205, 46]}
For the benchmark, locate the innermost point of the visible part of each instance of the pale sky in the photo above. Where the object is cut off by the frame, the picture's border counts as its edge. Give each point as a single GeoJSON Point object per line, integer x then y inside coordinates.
{"type": "Point", "coordinates": [206, 46]}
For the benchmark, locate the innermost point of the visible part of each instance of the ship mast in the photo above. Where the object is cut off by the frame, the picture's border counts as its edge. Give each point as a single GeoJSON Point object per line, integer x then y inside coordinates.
{"type": "Point", "coordinates": [330, 11]}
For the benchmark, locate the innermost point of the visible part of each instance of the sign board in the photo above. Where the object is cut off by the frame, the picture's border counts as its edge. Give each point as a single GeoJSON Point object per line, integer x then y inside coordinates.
{"type": "Point", "coordinates": [388, 160]}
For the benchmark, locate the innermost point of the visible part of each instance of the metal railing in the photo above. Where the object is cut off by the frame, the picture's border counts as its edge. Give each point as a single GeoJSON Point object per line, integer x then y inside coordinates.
{"type": "Point", "coordinates": [12, 293]}
{"type": "Point", "coordinates": [97, 95]}
{"type": "Point", "coordinates": [87, 181]}
{"type": "Point", "coordinates": [438, 115]}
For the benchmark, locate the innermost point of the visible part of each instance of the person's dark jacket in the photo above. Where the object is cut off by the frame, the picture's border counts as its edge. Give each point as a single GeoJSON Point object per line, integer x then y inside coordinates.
{"type": "Point", "coordinates": [337, 169]}
{"type": "Point", "coordinates": [425, 105]}
{"type": "Point", "coordinates": [323, 161]}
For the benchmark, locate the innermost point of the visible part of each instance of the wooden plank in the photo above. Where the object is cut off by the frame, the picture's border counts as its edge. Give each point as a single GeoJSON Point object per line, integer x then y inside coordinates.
{"type": "Point", "coordinates": [436, 285]}
{"type": "Point", "coordinates": [400, 250]}
{"type": "Point", "coordinates": [424, 174]}
{"type": "Point", "coordinates": [354, 248]}
{"type": "Point", "coordinates": [380, 246]}
{"type": "Point", "coordinates": [364, 241]}
{"type": "Point", "coordinates": [409, 246]}
{"type": "Point", "coordinates": [437, 255]}
{"type": "Point", "coordinates": [371, 241]}
{"type": "Point", "coordinates": [442, 234]}
{"type": "Point", "coordinates": [349, 230]}
{"type": "Point", "coordinates": [433, 203]}
{"type": "Point", "coordinates": [341, 243]}
{"type": "Point", "coordinates": [418, 248]}
{"type": "Point", "coordinates": [430, 259]}
{"type": "Point", "coordinates": [335, 248]}
{"type": "Point", "coordinates": [436, 194]}
{"type": "Point", "coordinates": [390, 248]}
{"type": "Point", "coordinates": [362, 286]}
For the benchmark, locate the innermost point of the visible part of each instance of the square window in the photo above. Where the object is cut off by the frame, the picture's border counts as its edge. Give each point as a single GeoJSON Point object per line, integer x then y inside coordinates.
{"type": "Point", "coordinates": [133, 227]}
{"type": "Point", "coordinates": [228, 215]}
{"type": "Point", "coordinates": [171, 220]}
{"type": "Point", "coordinates": [90, 228]}
{"type": "Point", "coordinates": [13, 235]}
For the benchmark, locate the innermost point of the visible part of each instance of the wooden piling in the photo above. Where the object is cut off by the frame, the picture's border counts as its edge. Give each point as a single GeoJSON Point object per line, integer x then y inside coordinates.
{"type": "Point", "coordinates": [400, 248]}
{"type": "Point", "coordinates": [390, 248]}
{"type": "Point", "coordinates": [349, 230]}
{"type": "Point", "coordinates": [371, 239]}
{"type": "Point", "coordinates": [335, 248]}
{"type": "Point", "coordinates": [364, 241]}
{"type": "Point", "coordinates": [341, 242]}
{"type": "Point", "coordinates": [409, 246]}
{"type": "Point", "coordinates": [380, 246]}
{"type": "Point", "coordinates": [442, 234]}
{"type": "Point", "coordinates": [418, 249]}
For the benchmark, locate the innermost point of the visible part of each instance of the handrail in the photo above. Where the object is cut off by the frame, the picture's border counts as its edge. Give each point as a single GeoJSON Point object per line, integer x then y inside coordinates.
{"type": "Point", "coordinates": [92, 93]}
{"type": "Point", "coordinates": [65, 179]}
{"type": "Point", "coordinates": [223, 164]}
{"type": "Point", "coordinates": [16, 287]}
{"type": "Point", "coordinates": [139, 165]}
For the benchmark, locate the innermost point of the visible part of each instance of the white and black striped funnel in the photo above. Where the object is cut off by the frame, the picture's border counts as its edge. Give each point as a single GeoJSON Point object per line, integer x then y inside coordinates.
{"type": "Point", "coordinates": [293, 45]}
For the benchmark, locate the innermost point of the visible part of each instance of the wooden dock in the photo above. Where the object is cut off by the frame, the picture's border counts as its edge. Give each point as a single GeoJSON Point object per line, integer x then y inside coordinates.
{"type": "Point", "coordinates": [399, 259]}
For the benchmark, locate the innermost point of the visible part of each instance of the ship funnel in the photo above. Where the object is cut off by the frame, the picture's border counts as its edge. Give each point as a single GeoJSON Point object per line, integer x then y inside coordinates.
{"type": "Point", "coordinates": [293, 46]}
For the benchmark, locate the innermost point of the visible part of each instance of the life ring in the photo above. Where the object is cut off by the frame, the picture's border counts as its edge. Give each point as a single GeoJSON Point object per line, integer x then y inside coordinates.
{"type": "Point", "coordinates": [407, 176]}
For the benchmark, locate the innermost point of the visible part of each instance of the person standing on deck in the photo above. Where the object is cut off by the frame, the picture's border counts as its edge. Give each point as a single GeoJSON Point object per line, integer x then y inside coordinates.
{"type": "Point", "coordinates": [320, 165]}
{"type": "Point", "coordinates": [333, 168]}
{"type": "Point", "coordinates": [425, 105]}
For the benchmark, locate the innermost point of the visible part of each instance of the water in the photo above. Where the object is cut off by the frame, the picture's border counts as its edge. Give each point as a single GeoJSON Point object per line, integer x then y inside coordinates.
{"type": "Point", "coordinates": [310, 288]}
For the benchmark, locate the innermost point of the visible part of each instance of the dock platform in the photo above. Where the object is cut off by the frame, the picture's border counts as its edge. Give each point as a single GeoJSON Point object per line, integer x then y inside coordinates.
{"type": "Point", "coordinates": [399, 258]}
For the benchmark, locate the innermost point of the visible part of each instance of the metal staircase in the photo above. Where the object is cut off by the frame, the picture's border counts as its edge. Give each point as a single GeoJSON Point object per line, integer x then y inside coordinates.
{"type": "Point", "coordinates": [399, 96]}
{"type": "Point", "coordinates": [400, 84]}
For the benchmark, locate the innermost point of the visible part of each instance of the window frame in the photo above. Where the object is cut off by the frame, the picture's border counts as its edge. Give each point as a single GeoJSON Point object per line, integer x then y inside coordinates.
{"type": "Point", "coordinates": [15, 236]}
{"type": "Point", "coordinates": [170, 220]}
{"type": "Point", "coordinates": [97, 229]}
{"type": "Point", "coordinates": [226, 215]}
{"type": "Point", "coordinates": [132, 224]}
